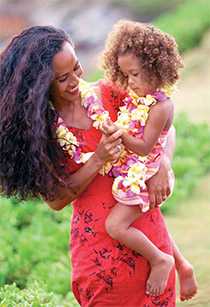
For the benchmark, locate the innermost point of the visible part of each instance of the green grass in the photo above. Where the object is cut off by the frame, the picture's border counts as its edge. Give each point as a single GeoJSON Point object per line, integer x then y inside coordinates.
{"type": "Point", "coordinates": [190, 227]}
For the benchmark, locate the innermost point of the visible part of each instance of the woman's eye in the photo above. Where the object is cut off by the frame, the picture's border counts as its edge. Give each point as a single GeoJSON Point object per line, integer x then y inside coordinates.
{"type": "Point", "coordinates": [135, 74]}
{"type": "Point", "coordinates": [62, 79]}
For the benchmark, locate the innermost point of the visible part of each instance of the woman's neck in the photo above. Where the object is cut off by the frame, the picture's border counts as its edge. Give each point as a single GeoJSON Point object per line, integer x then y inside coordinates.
{"type": "Point", "coordinates": [73, 114]}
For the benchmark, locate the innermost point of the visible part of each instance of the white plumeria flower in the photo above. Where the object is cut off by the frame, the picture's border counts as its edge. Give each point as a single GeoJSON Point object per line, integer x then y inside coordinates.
{"type": "Point", "coordinates": [99, 119]}
{"type": "Point", "coordinates": [116, 182]}
{"type": "Point", "coordinates": [149, 100]}
{"type": "Point", "coordinates": [137, 169]}
{"type": "Point", "coordinates": [135, 188]}
{"type": "Point", "coordinates": [61, 132]}
{"type": "Point", "coordinates": [139, 114]}
{"type": "Point", "coordinates": [123, 119]}
{"type": "Point", "coordinates": [85, 156]}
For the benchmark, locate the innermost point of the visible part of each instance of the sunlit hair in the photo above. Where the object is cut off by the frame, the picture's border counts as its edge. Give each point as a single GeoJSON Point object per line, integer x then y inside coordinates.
{"type": "Point", "coordinates": [156, 50]}
{"type": "Point", "coordinates": [31, 161]}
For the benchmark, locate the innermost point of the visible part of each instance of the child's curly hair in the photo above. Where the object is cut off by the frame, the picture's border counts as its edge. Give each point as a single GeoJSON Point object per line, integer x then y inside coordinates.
{"type": "Point", "coordinates": [157, 51]}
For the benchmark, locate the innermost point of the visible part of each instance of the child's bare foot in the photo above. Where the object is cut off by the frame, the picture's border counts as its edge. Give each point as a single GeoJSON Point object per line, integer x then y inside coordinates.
{"type": "Point", "coordinates": [187, 280]}
{"type": "Point", "coordinates": [159, 274]}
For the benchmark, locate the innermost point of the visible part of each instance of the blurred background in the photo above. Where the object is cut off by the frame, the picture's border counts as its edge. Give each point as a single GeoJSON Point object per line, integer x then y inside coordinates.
{"type": "Point", "coordinates": [88, 22]}
{"type": "Point", "coordinates": [34, 262]}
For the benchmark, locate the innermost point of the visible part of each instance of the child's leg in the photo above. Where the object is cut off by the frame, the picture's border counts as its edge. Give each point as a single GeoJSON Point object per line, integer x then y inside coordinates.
{"type": "Point", "coordinates": [118, 227]}
{"type": "Point", "coordinates": [187, 279]}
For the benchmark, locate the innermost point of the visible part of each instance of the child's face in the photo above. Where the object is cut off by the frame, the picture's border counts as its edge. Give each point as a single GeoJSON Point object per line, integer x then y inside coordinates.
{"type": "Point", "coordinates": [138, 78]}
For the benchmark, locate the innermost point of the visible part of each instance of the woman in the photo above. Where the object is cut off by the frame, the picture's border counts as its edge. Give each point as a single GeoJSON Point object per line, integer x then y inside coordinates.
{"type": "Point", "coordinates": [39, 83]}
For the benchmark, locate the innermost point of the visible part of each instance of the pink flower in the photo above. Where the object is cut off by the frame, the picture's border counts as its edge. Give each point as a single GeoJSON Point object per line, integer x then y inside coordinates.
{"type": "Point", "coordinates": [160, 96]}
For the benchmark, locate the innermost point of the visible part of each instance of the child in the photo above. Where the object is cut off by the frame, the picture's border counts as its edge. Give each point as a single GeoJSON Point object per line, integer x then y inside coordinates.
{"type": "Point", "coordinates": [145, 61]}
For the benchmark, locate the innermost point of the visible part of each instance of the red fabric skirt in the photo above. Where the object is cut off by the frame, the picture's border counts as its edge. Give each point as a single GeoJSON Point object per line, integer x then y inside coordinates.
{"type": "Point", "coordinates": [104, 272]}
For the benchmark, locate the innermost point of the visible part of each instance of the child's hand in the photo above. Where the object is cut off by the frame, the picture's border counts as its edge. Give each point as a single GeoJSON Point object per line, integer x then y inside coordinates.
{"type": "Point", "coordinates": [109, 127]}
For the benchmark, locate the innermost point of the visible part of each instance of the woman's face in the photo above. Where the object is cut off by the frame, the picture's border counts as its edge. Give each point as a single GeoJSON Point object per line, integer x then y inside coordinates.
{"type": "Point", "coordinates": [67, 70]}
{"type": "Point", "coordinates": [138, 78]}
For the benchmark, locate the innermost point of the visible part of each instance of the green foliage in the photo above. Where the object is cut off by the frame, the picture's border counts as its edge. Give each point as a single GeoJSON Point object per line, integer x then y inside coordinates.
{"type": "Point", "coordinates": [187, 24]}
{"type": "Point", "coordinates": [145, 7]}
{"type": "Point", "coordinates": [34, 241]}
{"type": "Point", "coordinates": [34, 296]}
{"type": "Point", "coordinates": [191, 160]}
{"type": "Point", "coordinates": [95, 75]}
{"type": "Point", "coordinates": [186, 20]}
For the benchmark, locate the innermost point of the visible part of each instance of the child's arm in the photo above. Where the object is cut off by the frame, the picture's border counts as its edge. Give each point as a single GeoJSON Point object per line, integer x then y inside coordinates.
{"type": "Point", "coordinates": [159, 186]}
{"type": "Point", "coordinates": [158, 117]}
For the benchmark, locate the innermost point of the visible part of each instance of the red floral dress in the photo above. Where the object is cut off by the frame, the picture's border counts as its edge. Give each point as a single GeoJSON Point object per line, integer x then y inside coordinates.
{"type": "Point", "coordinates": [104, 272]}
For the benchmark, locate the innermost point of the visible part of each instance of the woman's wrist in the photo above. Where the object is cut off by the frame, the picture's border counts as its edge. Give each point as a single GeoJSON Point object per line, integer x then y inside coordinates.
{"type": "Point", "coordinates": [98, 162]}
{"type": "Point", "coordinates": [165, 162]}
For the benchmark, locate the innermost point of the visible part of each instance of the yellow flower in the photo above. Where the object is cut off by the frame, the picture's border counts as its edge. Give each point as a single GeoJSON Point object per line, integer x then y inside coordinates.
{"type": "Point", "coordinates": [99, 119]}
{"type": "Point", "coordinates": [123, 119]}
{"type": "Point", "coordinates": [140, 113]}
{"type": "Point", "coordinates": [135, 188]}
{"type": "Point", "coordinates": [66, 139]}
{"type": "Point", "coordinates": [84, 88]}
{"type": "Point", "coordinates": [105, 169]}
{"type": "Point", "coordinates": [137, 169]}
{"type": "Point", "coordinates": [149, 100]}
{"type": "Point", "coordinates": [169, 89]}
{"type": "Point", "coordinates": [61, 132]}
{"type": "Point", "coordinates": [134, 96]}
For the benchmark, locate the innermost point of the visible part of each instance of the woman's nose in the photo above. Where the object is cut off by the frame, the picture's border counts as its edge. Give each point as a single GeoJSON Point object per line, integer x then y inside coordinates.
{"type": "Point", "coordinates": [74, 80]}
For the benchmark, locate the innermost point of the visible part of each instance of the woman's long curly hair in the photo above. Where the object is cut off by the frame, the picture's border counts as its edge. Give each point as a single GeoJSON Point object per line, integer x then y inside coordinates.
{"type": "Point", "coordinates": [31, 161]}
{"type": "Point", "coordinates": [156, 50]}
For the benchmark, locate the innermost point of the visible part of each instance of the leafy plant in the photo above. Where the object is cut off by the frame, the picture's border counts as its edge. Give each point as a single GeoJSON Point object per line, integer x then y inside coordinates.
{"type": "Point", "coordinates": [187, 23]}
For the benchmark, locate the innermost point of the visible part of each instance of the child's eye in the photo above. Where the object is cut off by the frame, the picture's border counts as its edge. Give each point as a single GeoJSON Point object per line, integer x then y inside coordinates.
{"type": "Point", "coordinates": [135, 74]}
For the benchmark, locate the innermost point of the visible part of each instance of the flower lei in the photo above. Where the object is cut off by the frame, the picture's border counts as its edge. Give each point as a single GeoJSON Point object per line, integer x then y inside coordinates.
{"type": "Point", "coordinates": [130, 170]}
{"type": "Point", "coordinates": [95, 111]}
{"type": "Point", "coordinates": [132, 116]}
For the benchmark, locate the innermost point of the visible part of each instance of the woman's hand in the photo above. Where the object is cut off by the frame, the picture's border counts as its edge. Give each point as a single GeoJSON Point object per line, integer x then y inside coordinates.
{"type": "Point", "coordinates": [109, 148]}
{"type": "Point", "coordinates": [158, 185]}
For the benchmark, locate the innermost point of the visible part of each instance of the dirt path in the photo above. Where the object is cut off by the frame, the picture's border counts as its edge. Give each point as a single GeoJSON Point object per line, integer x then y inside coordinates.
{"type": "Point", "coordinates": [193, 94]}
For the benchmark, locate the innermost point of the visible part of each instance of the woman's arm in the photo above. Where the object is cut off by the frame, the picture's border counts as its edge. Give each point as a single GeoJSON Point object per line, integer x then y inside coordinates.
{"type": "Point", "coordinates": [78, 181]}
{"type": "Point", "coordinates": [158, 185]}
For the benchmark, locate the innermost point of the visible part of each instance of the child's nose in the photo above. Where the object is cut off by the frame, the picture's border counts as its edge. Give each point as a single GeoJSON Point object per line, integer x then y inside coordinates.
{"type": "Point", "coordinates": [131, 82]}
